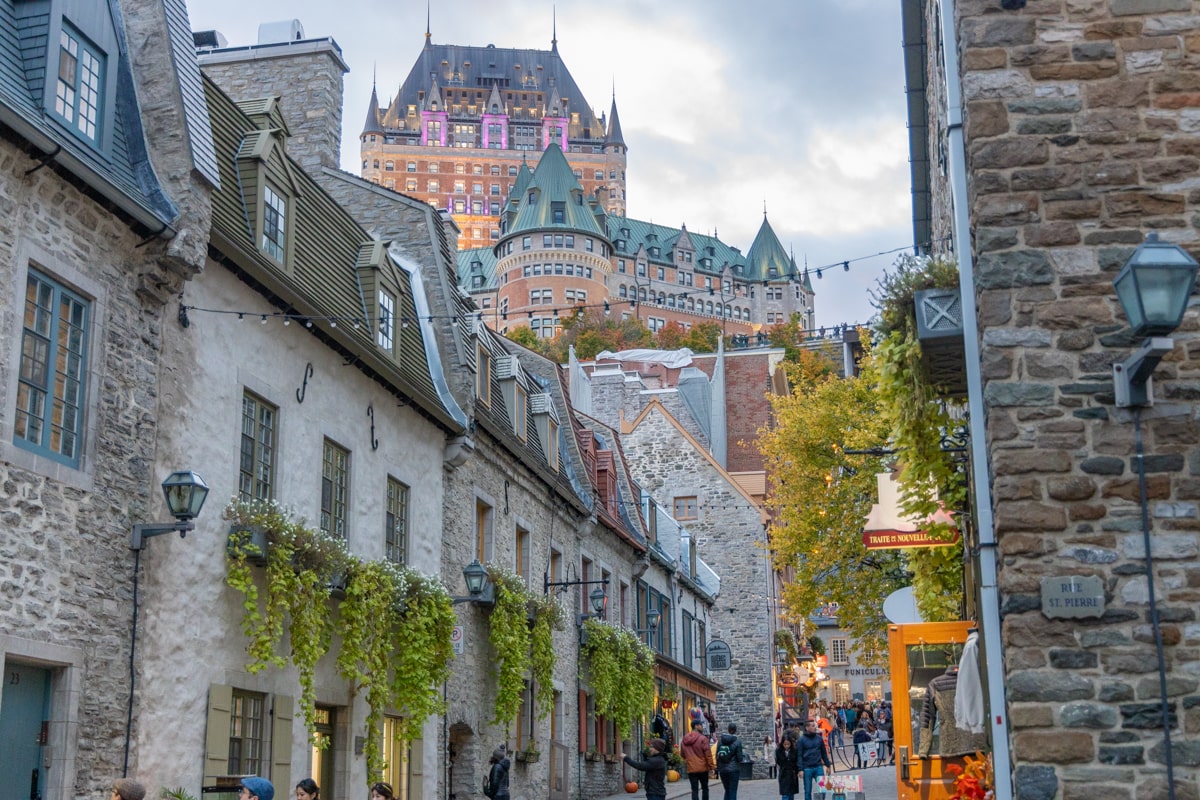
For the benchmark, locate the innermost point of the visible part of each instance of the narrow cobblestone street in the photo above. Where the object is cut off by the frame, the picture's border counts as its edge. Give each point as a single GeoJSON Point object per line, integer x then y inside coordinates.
{"type": "Point", "coordinates": [879, 783]}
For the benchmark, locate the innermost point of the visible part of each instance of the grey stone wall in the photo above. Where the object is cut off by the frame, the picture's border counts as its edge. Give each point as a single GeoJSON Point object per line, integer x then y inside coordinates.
{"type": "Point", "coordinates": [65, 564]}
{"type": "Point", "coordinates": [308, 76]}
{"type": "Point", "coordinates": [731, 541]}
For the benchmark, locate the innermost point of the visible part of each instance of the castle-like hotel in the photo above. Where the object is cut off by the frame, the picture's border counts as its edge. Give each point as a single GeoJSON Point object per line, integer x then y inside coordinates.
{"type": "Point", "coordinates": [504, 141]}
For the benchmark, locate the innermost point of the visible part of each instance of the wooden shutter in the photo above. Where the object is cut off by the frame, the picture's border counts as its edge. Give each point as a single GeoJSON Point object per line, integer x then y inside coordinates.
{"type": "Point", "coordinates": [216, 734]}
{"type": "Point", "coordinates": [416, 769]}
{"type": "Point", "coordinates": [282, 709]}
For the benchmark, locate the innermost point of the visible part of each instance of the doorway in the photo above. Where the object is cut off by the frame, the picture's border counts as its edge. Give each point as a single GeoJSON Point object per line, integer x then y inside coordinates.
{"type": "Point", "coordinates": [24, 723]}
{"type": "Point", "coordinates": [323, 751]}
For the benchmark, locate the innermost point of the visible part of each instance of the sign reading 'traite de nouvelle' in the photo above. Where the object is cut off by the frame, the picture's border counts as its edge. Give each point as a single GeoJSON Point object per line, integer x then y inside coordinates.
{"type": "Point", "coordinates": [1072, 596]}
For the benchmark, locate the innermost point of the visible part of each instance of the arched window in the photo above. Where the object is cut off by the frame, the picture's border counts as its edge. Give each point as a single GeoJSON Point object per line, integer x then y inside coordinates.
{"type": "Point", "coordinates": [622, 291]}
{"type": "Point", "coordinates": [389, 165]}
{"type": "Point", "coordinates": [375, 165]}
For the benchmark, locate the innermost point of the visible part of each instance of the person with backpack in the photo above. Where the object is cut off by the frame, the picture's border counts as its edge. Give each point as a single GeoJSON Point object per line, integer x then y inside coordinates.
{"type": "Point", "coordinates": [729, 761]}
{"type": "Point", "coordinates": [698, 759]}
{"type": "Point", "coordinates": [495, 783]}
{"type": "Point", "coordinates": [812, 756]}
{"type": "Point", "coordinates": [655, 767]}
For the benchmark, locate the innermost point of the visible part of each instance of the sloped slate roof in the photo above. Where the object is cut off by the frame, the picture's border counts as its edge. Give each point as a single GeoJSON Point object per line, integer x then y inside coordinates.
{"type": "Point", "coordinates": [554, 182]}
{"type": "Point", "coordinates": [24, 68]}
{"type": "Point", "coordinates": [512, 70]}
{"type": "Point", "coordinates": [322, 280]}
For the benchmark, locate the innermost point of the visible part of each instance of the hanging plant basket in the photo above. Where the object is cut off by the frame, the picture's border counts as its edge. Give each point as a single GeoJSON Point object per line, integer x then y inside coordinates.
{"type": "Point", "coordinates": [250, 542]}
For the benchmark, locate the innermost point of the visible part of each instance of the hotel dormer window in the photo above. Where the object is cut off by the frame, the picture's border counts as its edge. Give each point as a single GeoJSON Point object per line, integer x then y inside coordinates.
{"type": "Point", "coordinates": [386, 336]}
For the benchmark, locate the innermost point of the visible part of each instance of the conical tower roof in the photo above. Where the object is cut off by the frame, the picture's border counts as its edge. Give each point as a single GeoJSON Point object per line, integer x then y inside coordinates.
{"type": "Point", "coordinates": [614, 126]}
{"type": "Point", "coordinates": [767, 260]}
{"type": "Point", "coordinates": [372, 124]}
{"type": "Point", "coordinates": [553, 194]}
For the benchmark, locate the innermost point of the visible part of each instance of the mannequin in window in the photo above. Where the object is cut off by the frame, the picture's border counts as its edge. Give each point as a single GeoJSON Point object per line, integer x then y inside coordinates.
{"type": "Point", "coordinates": [938, 714]}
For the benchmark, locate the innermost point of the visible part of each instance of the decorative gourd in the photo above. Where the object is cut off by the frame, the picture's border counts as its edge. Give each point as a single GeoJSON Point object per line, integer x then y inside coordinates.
{"type": "Point", "coordinates": [672, 775]}
{"type": "Point", "coordinates": [631, 787]}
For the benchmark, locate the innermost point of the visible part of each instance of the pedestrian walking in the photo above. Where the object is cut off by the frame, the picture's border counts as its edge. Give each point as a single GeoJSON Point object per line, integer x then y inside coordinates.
{"type": "Point", "coordinates": [655, 767]}
{"type": "Point", "coordinates": [126, 789]}
{"type": "Point", "coordinates": [768, 754]}
{"type": "Point", "coordinates": [729, 760]}
{"type": "Point", "coordinates": [862, 738]}
{"type": "Point", "coordinates": [495, 785]}
{"type": "Point", "coordinates": [787, 760]}
{"type": "Point", "coordinates": [813, 756]}
{"type": "Point", "coordinates": [307, 789]}
{"type": "Point", "coordinates": [253, 788]}
{"type": "Point", "coordinates": [698, 759]}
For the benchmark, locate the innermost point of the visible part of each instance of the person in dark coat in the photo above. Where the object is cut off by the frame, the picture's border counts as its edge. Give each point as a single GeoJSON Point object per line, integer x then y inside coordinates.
{"type": "Point", "coordinates": [812, 755]}
{"type": "Point", "coordinates": [730, 768]}
{"type": "Point", "coordinates": [787, 759]}
{"type": "Point", "coordinates": [655, 767]}
{"type": "Point", "coordinates": [499, 773]}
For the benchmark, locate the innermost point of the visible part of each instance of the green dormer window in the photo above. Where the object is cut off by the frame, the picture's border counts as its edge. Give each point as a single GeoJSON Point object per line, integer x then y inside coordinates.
{"type": "Point", "coordinates": [78, 91]}
{"type": "Point", "coordinates": [386, 336]}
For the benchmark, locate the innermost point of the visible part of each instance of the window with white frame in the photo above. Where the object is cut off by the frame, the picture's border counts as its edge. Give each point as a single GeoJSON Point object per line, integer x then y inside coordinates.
{"type": "Point", "coordinates": [274, 227]}
{"type": "Point", "coordinates": [385, 337]}
{"type": "Point", "coordinates": [838, 652]}
{"type": "Point", "coordinates": [77, 94]}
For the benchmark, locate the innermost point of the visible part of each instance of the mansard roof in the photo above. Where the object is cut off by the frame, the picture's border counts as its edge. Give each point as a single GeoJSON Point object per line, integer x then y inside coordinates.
{"type": "Point", "coordinates": [333, 265]}
{"type": "Point", "coordinates": [117, 166]}
{"type": "Point", "coordinates": [767, 260]}
{"type": "Point", "coordinates": [630, 235]}
{"type": "Point", "coordinates": [515, 73]}
{"type": "Point", "coordinates": [551, 189]}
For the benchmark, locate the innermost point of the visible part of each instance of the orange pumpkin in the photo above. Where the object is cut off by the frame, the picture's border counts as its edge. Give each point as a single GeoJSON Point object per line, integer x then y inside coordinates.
{"type": "Point", "coordinates": [631, 786]}
{"type": "Point", "coordinates": [672, 775]}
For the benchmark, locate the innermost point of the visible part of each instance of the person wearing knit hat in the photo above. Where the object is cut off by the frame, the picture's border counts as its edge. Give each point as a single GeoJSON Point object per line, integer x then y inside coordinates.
{"type": "Point", "coordinates": [256, 787]}
{"type": "Point", "coordinates": [497, 779]}
{"type": "Point", "coordinates": [126, 789]}
{"type": "Point", "coordinates": [655, 767]}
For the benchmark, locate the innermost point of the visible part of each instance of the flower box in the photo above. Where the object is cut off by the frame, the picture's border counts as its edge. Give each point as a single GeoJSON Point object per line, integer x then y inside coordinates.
{"type": "Point", "coordinates": [612, 758]}
{"type": "Point", "coordinates": [528, 756]}
{"type": "Point", "coordinates": [250, 542]}
{"type": "Point", "coordinates": [592, 755]}
{"type": "Point", "coordinates": [940, 331]}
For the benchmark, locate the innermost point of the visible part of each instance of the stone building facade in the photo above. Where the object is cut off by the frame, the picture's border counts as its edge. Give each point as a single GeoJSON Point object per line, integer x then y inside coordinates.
{"type": "Point", "coordinates": [1079, 138]}
{"type": "Point", "coordinates": [104, 218]}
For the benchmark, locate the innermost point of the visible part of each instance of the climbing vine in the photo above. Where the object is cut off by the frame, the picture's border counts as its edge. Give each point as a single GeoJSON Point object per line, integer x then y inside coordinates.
{"type": "Point", "coordinates": [548, 617]}
{"type": "Point", "coordinates": [509, 637]}
{"type": "Point", "coordinates": [395, 623]}
{"type": "Point", "coordinates": [620, 673]}
{"type": "Point", "coordinates": [918, 415]}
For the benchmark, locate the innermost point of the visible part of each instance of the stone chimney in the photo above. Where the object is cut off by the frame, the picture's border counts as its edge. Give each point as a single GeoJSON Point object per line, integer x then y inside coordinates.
{"type": "Point", "coordinates": [305, 73]}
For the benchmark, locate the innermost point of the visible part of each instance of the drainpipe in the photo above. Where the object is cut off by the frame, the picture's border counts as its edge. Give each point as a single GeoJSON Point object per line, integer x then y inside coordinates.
{"type": "Point", "coordinates": [989, 593]}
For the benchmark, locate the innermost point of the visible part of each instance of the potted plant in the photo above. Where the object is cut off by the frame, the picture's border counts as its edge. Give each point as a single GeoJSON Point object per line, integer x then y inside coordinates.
{"type": "Point", "coordinates": [592, 754]}
{"type": "Point", "coordinates": [531, 753]}
{"type": "Point", "coordinates": [248, 543]}
{"type": "Point", "coordinates": [612, 758]}
{"type": "Point", "coordinates": [674, 765]}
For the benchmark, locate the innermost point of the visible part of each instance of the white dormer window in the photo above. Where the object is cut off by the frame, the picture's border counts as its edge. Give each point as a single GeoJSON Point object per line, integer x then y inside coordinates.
{"type": "Point", "coordinates": [386, 336]}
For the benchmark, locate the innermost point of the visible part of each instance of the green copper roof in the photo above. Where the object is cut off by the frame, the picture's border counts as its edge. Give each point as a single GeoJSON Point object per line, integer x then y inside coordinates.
{"type": "Point", "coordinates": [628, 235]}
{"type": "Point", "coordinates": [553, 194]}
{"type": "Point", "coordinates": [480, 261]}
{"type": "Point", "coordinates": [767, 260]}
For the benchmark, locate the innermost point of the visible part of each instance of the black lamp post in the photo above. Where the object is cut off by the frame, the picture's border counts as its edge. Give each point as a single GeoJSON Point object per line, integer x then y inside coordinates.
{"type": "Point", "coordinates": [479, 589]}
{"type": "Point", "coordinates": [185, 493]}
{"type": "Point", "coordinates": [1153, 287]}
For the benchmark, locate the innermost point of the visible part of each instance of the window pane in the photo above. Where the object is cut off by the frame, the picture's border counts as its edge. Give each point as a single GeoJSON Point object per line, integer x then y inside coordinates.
{"type": "Point", "coordinates": [396, 527]}
{"type": "Point", "coordinates": [335, 476]}
{"type": "Point", "coordinates": [257, 463]}
{"type": "Point", "coordinates": [274, 223]}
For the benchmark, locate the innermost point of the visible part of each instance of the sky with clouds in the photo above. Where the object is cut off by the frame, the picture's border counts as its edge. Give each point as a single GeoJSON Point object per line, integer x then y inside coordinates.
{"type": "Point", "coordinates": [797, 105]}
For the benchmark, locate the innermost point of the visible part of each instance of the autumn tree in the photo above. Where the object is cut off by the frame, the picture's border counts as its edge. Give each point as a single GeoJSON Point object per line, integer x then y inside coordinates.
{"type": "Point", "coordinates": [820, 497]}
{"type": "Point", "coordinates": [524, 336]}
